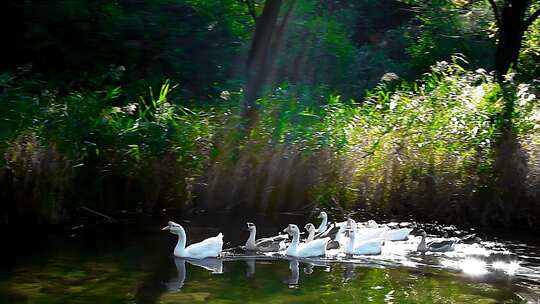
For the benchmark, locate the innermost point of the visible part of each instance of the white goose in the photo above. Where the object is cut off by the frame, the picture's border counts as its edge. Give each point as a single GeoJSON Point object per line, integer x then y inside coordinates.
{"type": "Point", "coordinates": [303, 250]}
{"type": "Point", "coordinates": [372, 231]}
{"type": "Point", "coordinates": [340, 237]}
{"type": "Point", "coordinates": [332, 244]}
{"type": "Point", "coordinates": [401, 234]}
{"type": "Point", "coordinates": [324, 223]}
{"type": "Point", "coordinates": [310, 228]}
{"type": "Point", "coordinates": [211, 247]}
{"type": "Point", "coordinates": [363, 247]}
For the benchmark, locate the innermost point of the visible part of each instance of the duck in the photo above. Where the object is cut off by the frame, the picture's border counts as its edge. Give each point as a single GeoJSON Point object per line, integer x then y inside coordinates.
{"type": "Point", "coordinates": [270, 244]}
{"type": "Point", "coordinates": [436, 246]}
{"type": "Point", "coordinates": [371, 246]}
{"type": "Point", "coordinates": [308, 249]}
{"type": "Point", "coordinates": [210, 247]}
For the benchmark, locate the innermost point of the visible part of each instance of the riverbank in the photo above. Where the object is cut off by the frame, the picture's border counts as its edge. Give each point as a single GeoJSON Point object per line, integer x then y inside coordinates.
{"type": "Point", "coordinates": [431, 149]}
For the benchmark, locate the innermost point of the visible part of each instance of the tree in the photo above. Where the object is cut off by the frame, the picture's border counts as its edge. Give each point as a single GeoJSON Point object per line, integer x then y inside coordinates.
{"type": "Point", "coordinates": [512, 23]}
{"type": "Point", "coordinates": [265, 45]}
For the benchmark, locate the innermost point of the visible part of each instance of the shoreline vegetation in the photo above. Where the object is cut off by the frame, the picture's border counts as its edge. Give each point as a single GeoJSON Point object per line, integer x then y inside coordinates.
{"type": "Point", "coordinates": [427, 148]}
{"type": "Point", "coordinates": [427, 109]}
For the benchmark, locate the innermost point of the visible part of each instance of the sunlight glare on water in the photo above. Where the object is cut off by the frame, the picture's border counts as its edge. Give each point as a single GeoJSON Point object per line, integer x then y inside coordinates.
{"type": "Point", "coordinates": [473, 267]}
{"type": "Point", "coordinates": [509, 268]}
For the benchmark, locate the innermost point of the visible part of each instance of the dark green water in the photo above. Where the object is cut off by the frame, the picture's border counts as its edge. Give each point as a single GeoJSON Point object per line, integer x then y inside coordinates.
{"type": "Point", "coordinates": [132, 264]}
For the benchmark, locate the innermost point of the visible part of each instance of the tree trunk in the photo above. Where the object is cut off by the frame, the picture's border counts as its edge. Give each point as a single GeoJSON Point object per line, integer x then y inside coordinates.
{"type": "Point", "coordinates": [511, 30]}
{"type": "Point", "coordinates": [266, 44]}
{"type": "Point", "coordinates": [258, 62]}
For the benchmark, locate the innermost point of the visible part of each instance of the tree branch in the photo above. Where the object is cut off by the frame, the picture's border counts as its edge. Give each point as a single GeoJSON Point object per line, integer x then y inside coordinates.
{"type": "Point", "coordinates": [531, 18]}
{"type": "Point", "coordinates": [495, 12]}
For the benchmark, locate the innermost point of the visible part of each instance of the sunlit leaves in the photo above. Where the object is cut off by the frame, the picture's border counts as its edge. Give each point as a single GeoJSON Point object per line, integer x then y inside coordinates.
{"type": "Point", "coordinates": [443, 126]}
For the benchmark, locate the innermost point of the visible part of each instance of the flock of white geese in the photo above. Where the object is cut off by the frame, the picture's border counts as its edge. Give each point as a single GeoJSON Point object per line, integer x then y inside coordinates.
{"type": "Point", "coordinates": [349, 237]}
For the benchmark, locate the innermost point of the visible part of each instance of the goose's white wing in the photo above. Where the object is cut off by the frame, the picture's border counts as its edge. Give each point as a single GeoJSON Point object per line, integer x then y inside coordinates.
{"type": "Point", "coordinates": [269, 240]}
{"type": "Point", "coordinates": [397, 234]}
{"type": "Point", "coordinates": [210, 247]}
{"type": "Point", "coordinates": [365, 234]}
{"type": "Point", "coordinates": [329, 232]}
{"type": "Point", "coordinates": [372, 246]}
{"type": "Point", "coordinates": [313, 248]}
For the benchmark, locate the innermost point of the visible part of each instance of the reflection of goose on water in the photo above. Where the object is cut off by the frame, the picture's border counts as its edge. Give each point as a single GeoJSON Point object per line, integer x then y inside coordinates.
{"type": "Point", "coordinates": [211, 264]}
{"type": "Point", "coordinates": [349, 271]}
{"type": "Point", "coordinates": [250, 271]}
{"type": "Point", "coordinates": [178, 282]}
{"type": "Point", "coordinates": [295, 273]}
{"type": "Point", "coordinates": [210, 247]}
{"type": "Point", "coordinates": [310, 264]}
{"type": "Point", "coordinates": [214, 265]}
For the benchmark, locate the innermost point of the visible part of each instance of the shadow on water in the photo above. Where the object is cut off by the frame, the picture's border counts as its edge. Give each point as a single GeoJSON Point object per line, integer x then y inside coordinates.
{"type": "Point", "coordinates": [131, 263]}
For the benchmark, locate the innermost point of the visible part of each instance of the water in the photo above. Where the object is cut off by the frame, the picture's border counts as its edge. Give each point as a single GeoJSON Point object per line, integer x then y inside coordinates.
{"type": "Point", "coordinates": [131, 263]}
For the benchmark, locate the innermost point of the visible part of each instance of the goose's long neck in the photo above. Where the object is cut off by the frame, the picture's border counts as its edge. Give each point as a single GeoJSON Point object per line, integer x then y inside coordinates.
{"type": "Point", "coordinates": [339, 234]}
{"type": "Point", "coordinates": [250, 243]}
{"type": "Point", "coordinates": [181, 245]}
{"type": "Point", "coordinates": [352, 239]}
{"type": "Point", "coordinates": [322, 226]}
{"type": "Point", "coordinates": [311, 235]}
{"type": "Point", "coordinates": [294, 244]}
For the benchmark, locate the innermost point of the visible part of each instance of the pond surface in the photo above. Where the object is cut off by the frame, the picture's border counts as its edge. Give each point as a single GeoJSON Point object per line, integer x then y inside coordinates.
{"type": "Point", "coordinates": [132, 263]}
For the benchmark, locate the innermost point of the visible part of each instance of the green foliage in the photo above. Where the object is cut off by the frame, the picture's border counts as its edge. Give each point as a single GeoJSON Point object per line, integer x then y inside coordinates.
{"type": "Point", "coordinates": [429, 142]}
{"type": "Point", "coordinates": [74, 115]}
{"type": "Point", "coordinates": [529, 59]}
{"type": "Point", "coordinates": [62, 141]}
{"type": "Point", "coordinates": [448, 27]}
{"type": "Point", "coordinates": [292, 116]}
{"type": "Point", "coordinates": [192, 42]}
